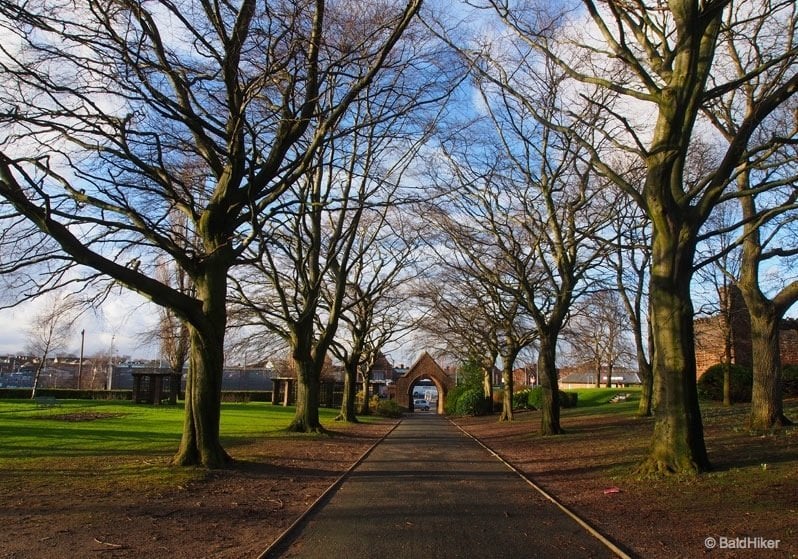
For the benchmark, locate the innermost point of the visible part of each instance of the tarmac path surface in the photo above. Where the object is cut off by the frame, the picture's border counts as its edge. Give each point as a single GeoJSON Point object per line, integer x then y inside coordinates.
{"type": "Point", "coordinates": [429, 490]}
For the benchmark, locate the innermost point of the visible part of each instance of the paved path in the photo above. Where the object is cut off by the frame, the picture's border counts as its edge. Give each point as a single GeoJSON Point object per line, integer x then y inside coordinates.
{"type": "Point", "coordinates": [428, 490]}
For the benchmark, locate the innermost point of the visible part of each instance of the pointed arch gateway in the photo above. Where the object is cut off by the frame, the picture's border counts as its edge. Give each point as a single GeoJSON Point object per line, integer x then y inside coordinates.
{"type": "Point", "coordinates": [425, 368]}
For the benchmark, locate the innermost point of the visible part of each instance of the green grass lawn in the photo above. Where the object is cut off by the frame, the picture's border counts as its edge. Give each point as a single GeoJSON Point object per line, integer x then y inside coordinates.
{"type": "Point", "coordinates": [126, 440]}
{"type": "Point", "coordinates": [591, 397]}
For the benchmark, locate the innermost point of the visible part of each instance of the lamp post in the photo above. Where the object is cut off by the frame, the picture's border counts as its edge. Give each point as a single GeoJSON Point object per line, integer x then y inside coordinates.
{"type": "Point", "coordinates": [80, 363]}
{"type": "Point", "coordinates": [111, 364]}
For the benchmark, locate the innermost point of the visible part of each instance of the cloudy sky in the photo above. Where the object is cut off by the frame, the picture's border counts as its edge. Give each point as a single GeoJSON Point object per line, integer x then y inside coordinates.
{"type": "Point", "coordinates": [120, 324]}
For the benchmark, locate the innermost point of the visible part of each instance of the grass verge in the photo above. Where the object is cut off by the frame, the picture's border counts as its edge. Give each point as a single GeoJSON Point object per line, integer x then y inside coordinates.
{"type": "Point", "coordinates": [122, 444]}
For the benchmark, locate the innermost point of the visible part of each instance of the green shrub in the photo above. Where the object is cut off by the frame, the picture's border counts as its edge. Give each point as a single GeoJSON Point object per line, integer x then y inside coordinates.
{"type": "Point", "coordinates": [710, 385]}
{"type": "Point", "coordinates": [389, 408]}
{"type": "Point", "coordinates": [450, 405]}
{"type": "Point", "coordinates": [470, 402]}
{"type": "Point", "coordinates": [521, 400]}
{"type": "Point", "coordinates": [789, 378]}
{"type": "Point", "coordinates": [67, 394]}
{"type": "Point", "coordinates": [535, 398]}
{"type": "Point", "coordinates": [569, 399]}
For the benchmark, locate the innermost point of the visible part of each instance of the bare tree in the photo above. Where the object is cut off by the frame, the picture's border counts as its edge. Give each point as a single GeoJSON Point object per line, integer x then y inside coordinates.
{"type": "Point", "coordinates": [630, 259]}
{"type": "Point", "coordinates": [105, 104]}
{"type": "Point", "coordinates": [761, 60]}
{"type": "Point", "coordinates": [534, 205]}
{"type": "Point", "coordinates": [662, 62]}
{"type": "Point", "coordinates": [50, 331]}
{"type": "Point", "coordinates": [374, 310]}
{"type": "Point", "coordinates": [474, 300]}
{"type": "Point", "coordinates": [456, 318]}
{"type": "Point", "coordinates": [598, 327]}
{"type": "Point", "coordinates": [718, 267]}
{"type": "Point", "coordinates": [316, 245]}
{"type": "Point", "coordinates": [173, 331]}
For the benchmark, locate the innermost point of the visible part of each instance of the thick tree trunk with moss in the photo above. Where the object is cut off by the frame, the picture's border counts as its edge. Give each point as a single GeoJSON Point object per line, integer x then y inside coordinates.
{"type": "Point", "coordinates": [306, 419]}
{"type": "Point", "coordinates": [350, 393]}
{"type": "Point", "coordinates": [677, 445]}
{"type": "Point", "coordinates": [767, 408]}
{"type": "Point", "coordinates": [547, 371]}
{"type": "Point", "coordinates": [200, 444]}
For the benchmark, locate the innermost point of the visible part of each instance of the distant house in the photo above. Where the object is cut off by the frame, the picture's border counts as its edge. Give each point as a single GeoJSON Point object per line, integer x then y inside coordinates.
{"type": "Point", "coordinates": [585, 376]}
{"type": "Point", "coordinates": [383, 374]}
{"type": "Point", "coordinates": [525, 376]}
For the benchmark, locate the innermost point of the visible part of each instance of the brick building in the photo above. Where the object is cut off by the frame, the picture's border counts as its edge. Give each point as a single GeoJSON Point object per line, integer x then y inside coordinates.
{"type": "Point", "coordinates": [711, 332]}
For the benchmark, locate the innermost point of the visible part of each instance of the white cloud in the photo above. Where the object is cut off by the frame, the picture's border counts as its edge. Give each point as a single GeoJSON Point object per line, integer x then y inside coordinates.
{"type": "Point", "coordinates": [121, 321]}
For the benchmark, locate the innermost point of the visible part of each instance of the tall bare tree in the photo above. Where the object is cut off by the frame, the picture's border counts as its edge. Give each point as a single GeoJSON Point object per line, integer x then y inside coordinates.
{"type": "Point", "coordinates": [472, 304]}
{"type": "Point", "coordinates": [173, 332]}
{"type": "Point", "coordinates": [718, 268]}
{"type": "Point", "coordinates": [760, 60]}
{"type": "Point", "coordinates": [661, 60]}
{"type": "Point", "coordinates": [375, 302]}
{"type": "Point", "coordinates": [457, 318]}
{"type": "Point", "coordinates": [766, 312]}
{"type": "Point", "coordinates": [630, 259]}
{"type": "Point", "coordinates": [598, 327]}
{"type": "Point", "coordinates": [50, 331]}
{"type": "Point", "coordinates": [104, 104]}
{"type": "Point", "coordinates": [535, 208]}
{"type": "Point", "coordinates": [315, 247]}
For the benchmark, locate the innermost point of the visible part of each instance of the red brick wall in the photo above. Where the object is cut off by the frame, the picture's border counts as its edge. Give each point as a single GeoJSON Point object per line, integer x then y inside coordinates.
{"type": "Point", "coordinates": [788, 341]}
{"type": "Point", "coordinates": [709, 339]}
{"type": "Point", "coordinates": [708, 343]}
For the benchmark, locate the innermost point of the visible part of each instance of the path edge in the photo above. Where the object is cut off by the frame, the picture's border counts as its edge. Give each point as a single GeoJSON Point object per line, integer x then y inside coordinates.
{"type": "Point", "coordinates": [612, 546]}
{"type": "Point", "coordinates": [301, 518]}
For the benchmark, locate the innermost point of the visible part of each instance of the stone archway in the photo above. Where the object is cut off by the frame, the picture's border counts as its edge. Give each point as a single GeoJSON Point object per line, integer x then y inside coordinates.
{"type": "Point", "coordinates": [425, 368]}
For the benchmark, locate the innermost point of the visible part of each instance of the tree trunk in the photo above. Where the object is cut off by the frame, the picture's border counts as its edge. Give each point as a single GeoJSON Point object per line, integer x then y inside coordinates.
{"type": "Point", "coordinates": [36, 376]}
{"type": "Point", "coordinates": [647, 388]}
{"type": "Point", "coordinates": [727, 382]}
{"type": "Point", "coordinates": [306, 419]}
{"type": "Point", "coordinates": [677, 445]}
{"type": "Point", "coordinates": [350, 392]}
{"type": "Point", "coordinates": [547, 370]}
{"type": "Point", "coordinates": [200, 444]}
{"type": "Point", "coordinates": [487, 388]}
{"type": "Point", "coordinates": [507, 393]}
{"type": "Point", "coordinates": [365, 406]}
{"type": "Point", "coordinates": [767, 408]}
{"type": "Point", "coordinates": [727, 345]}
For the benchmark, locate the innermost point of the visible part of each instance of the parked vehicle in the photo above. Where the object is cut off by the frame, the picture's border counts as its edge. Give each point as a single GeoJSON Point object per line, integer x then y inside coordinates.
{"type": "Point", "coordinates": [421, 405]}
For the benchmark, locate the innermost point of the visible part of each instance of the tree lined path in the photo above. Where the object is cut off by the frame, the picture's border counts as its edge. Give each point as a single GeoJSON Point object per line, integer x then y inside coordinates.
{"type": "Point", "coordinates": [429, 490]}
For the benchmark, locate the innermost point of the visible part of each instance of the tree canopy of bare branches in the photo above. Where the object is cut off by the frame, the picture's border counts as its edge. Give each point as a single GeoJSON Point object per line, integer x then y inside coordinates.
{"type": "Point", "coordinates": [117, 114]}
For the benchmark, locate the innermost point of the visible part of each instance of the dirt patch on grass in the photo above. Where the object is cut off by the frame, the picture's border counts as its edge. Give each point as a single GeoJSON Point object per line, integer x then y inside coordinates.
{"type": "Point", "coordinates": [748, 500]}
